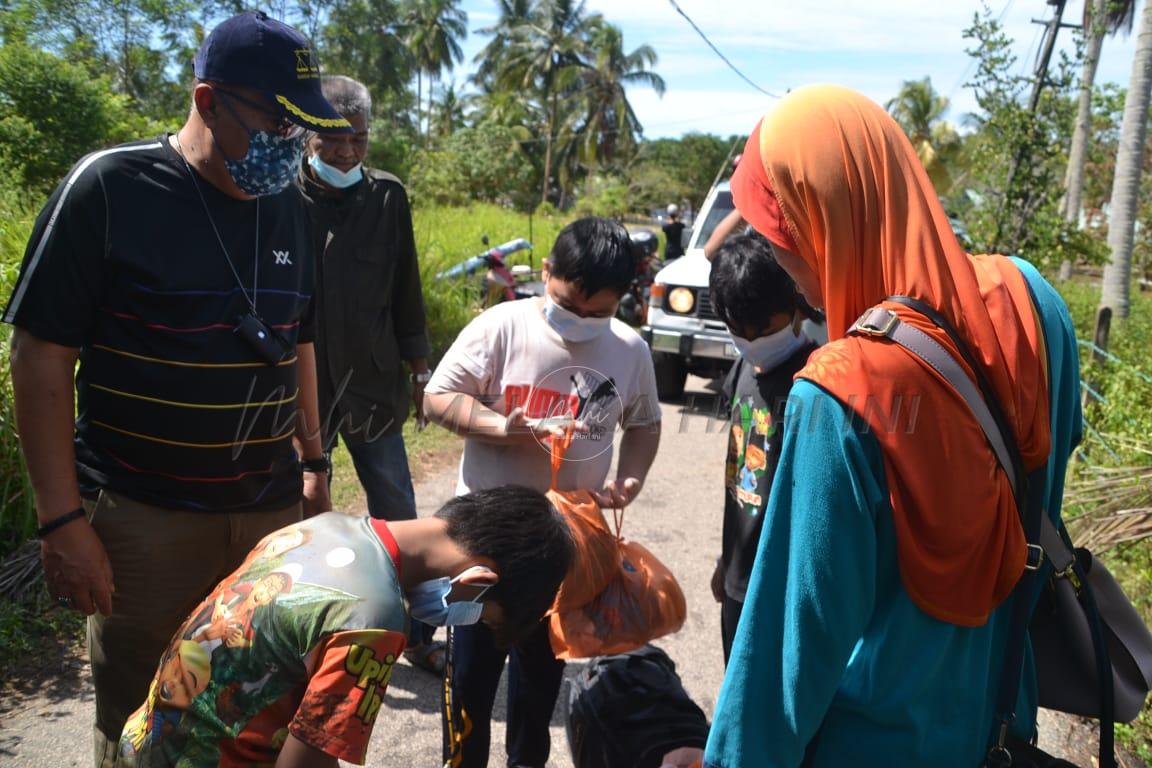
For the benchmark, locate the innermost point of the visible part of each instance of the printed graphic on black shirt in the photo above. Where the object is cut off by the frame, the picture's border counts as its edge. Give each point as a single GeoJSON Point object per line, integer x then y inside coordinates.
{"type": "Point", "coordinates": [752, 429]}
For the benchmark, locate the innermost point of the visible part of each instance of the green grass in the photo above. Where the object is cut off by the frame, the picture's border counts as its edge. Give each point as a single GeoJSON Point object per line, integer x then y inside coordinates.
{"type": "Point", "coordinates": [17, 515]}
{"type": "Point", "coordinates": [27, 632]}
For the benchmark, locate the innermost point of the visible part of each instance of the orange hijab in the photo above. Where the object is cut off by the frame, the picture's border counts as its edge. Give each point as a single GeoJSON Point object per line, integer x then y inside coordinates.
{"type": "Point", "coordinates": [829, 173]}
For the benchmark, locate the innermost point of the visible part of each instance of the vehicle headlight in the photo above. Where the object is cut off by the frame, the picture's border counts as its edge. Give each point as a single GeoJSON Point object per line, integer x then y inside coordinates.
{"type": "Point", "coordinates": [681, 300]}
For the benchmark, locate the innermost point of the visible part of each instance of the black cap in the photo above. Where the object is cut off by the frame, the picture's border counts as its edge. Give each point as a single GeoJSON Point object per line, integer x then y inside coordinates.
{"type": "Point", "coordinates": [271, 57]}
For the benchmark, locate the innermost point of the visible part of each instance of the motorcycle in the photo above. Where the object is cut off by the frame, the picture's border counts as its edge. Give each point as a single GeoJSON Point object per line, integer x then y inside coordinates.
{"type": "Point", "coordinates": [500, 282]}
{"type": "Point", "coordinates": [634, 303]}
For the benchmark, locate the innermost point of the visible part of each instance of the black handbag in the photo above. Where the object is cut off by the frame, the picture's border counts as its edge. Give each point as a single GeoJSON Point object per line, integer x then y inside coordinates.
{"type": "Point", "coordinates": [1062, 639]}
{"type": "Point", "coordinates": [1093, 654]}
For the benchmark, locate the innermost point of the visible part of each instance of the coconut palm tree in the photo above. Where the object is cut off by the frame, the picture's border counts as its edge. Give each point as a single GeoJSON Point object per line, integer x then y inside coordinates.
{"type": "Point", "coordinates": [1129, 166]}
{"type": "Point", "coordinates": [610, 126]}
{"type": "Point", "coordinates": [920, 110]}
{"type": "Point", "coordinates": [544, 57]}
{"type": "Point", "coordinates": [432, 30]}
{"type": "Point", "coordinates": [446, 114]}
{"type": "Point", "coordinates": [1101, 17]}
{"type": "Point", "coordinates": [515, 15]}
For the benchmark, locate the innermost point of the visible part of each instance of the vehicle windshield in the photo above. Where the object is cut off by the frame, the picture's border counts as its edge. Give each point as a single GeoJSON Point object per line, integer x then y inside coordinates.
{"type": "Point", "coordinates": [721, 207]}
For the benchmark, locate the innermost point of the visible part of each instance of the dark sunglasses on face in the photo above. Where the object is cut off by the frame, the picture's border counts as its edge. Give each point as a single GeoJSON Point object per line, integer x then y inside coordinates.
{"type": "Point", "coordinates": [284, 127]}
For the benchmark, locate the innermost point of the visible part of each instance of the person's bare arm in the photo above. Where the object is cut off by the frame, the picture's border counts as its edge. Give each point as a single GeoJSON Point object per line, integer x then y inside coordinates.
{"type": "Point", "coordinates": [76, 566]}
{"type": "Point", "coordinates": [726, 226]}
{"type": "Point", "coordinates": [468, 417]}
{"type": "Point", "coordinates": [309, 439]}
{"type": "Point", "coordinates": [298, 754]}
{"type": "Point", "coordinates": [637, 452]}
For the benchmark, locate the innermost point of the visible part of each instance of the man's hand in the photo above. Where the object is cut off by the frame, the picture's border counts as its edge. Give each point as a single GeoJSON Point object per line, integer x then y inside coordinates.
{"type": "Point", "coordinates": [76, 568]}
{"type": "Point", "coordinates": [316, 498]}
{"type": "Point", "coordinates": [518, 425]}
{"type": "Point", "coordinates": [718, 581]}
{"type": "Point", "coordinates": [418, 404]}
{"type": "Point", "coordinates": [618, 493]}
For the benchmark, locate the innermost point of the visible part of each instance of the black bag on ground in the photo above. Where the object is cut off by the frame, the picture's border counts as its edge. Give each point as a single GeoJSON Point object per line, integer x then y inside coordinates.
{"type": "Point", "coordinates": [629, 710]}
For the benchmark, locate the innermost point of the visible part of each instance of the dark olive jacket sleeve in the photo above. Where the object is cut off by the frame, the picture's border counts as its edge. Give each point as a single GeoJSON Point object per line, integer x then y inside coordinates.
{"type": "Point", "coordinates": [408, 315]}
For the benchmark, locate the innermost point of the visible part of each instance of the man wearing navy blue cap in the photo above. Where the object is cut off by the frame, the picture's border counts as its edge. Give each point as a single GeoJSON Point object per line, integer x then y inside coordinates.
{"type": "Point", "coordinates": [178, 272]}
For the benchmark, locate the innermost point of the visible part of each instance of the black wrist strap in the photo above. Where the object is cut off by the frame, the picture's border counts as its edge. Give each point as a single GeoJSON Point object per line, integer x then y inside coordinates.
{"type": "Point", "coordinates": [321, 464]}
{"type": "Point", "coordinates": [59, 522]}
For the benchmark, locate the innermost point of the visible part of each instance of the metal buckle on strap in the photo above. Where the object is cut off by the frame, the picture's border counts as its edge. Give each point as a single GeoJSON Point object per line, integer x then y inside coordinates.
{"type": "Point", "coordinates": [1070, 574]}
{"type": "Point", "coordinates": [876, 321]}
{"type": "Point", "coordinates": [1035, 557]}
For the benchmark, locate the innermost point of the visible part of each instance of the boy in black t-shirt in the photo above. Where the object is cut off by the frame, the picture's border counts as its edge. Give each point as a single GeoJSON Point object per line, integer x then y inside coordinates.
{"type": "Point", "coordinates": [758, 302]}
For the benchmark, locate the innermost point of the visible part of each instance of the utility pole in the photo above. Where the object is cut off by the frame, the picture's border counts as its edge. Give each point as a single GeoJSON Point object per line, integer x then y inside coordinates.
{"type": "Point", "coordinates": [1043, 60]}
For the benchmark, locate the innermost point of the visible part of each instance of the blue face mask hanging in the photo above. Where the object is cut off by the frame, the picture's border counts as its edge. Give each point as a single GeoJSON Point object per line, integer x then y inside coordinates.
{"type": "Point", "coordinates": [428, 602]}
{"type": "Point", "coordinates": [270, 164]}
{"type": "Point", "coordinates": [333, 176]}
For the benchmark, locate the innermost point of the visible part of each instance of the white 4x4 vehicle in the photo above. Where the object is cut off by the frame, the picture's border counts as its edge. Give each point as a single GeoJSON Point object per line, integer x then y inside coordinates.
{"type": "Point", "coordinates": [685, 335]}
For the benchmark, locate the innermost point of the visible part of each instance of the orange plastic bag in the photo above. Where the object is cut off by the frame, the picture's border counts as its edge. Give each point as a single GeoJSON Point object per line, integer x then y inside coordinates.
{"type": "Point", "coordinates": [643, 601]}
{"type": "Point", "coordinates": [596, 558]}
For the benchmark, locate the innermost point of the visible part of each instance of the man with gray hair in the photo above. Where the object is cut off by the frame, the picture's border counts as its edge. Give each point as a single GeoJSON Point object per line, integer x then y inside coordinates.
{"type": "Point", "coordinates": [369, 315]}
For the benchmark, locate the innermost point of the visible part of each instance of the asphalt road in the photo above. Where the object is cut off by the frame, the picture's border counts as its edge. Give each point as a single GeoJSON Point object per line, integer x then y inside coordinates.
{"type": "Point", "coordinates": [677, 517]}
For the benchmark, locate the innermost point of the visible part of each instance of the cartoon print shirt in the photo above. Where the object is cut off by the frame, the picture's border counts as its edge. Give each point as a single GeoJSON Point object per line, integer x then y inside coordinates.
{"type": "Point", "coordinates": [299, 640]}
{"type": "Point", "coordinates": [757, 403]}
{"type": "Point", "coordinates": [511, 357]}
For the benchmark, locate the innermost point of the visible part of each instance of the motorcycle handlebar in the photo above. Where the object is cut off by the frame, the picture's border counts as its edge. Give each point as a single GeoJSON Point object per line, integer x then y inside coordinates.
{"type": "Point", "coordinates": [493, 257]}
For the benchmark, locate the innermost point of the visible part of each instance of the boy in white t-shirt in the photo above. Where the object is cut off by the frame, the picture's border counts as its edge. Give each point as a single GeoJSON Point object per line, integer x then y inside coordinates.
{"type": "Point", "coordinates": [512, 378]}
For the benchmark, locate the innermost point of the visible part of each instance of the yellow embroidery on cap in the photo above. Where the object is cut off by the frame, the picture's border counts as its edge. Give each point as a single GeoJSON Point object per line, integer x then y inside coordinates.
{"type": "Point", "coordinates": [306, 68]}
{"type": "Point", "coordinates": [323, 122]}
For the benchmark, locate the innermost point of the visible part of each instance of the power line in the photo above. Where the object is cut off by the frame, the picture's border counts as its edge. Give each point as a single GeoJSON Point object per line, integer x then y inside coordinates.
{"type": "Point", "coordinates": [704, 37]}
{"type": "Point", "coordinates": [971, 59]}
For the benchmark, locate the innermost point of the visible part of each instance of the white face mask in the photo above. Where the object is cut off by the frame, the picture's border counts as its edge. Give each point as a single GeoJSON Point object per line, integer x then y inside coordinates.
{"type": "Point", "coordinates": [333, 176]}
{"type": "Point", "coordinates": [571, 326]}
{"type": "Point", "coordinates": [428, 602]}
{"type": "Point", "coordinates": [769, 351]}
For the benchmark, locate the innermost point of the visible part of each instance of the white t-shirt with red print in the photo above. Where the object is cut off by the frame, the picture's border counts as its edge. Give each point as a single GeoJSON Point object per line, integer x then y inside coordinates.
{"type": "Point", "coordinates": [511, 357]}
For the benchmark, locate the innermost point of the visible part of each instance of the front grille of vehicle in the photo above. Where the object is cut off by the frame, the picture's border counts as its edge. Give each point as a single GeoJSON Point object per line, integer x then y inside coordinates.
{"type": "Point", "coordinates": [704, 305]}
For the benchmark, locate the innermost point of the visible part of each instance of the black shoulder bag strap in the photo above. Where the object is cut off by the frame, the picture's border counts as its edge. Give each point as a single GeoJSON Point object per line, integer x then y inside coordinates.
{"type": "Point", "coordinates": [1028, 490]}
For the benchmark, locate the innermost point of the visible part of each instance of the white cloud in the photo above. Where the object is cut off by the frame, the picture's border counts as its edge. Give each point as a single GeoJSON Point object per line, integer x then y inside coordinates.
{"type": "Point", "coordinates": [722, 113]}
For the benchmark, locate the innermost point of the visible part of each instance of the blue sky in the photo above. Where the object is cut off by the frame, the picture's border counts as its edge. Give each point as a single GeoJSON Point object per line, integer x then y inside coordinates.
{"type": "Point", "coordinates": [870, 45]}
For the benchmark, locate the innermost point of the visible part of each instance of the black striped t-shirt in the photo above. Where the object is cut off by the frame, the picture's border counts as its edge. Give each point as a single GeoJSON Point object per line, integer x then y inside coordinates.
{"type": "Point", "coordinates": [174, 408]}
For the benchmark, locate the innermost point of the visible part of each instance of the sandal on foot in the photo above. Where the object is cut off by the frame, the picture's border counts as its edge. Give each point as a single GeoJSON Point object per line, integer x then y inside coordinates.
{"type": "Point", "coordinates": [428, 656]}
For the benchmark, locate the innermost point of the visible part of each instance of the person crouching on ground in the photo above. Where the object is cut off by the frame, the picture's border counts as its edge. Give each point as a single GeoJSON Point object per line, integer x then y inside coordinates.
{"type": "Point", "coordinates": [297, 677]}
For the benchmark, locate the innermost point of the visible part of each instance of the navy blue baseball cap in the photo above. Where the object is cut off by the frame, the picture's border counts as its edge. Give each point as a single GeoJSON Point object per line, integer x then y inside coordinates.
{"type": "Point", "coordinates": [271, 57]}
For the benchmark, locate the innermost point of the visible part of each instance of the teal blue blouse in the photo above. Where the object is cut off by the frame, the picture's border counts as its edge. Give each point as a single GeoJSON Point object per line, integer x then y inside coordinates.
{"type": "Point", "coordinates": [833, 664]}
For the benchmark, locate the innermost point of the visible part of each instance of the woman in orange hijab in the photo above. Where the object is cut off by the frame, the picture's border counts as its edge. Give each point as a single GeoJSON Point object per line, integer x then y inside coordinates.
{"type": "Point", "coordinates": [875, 619]}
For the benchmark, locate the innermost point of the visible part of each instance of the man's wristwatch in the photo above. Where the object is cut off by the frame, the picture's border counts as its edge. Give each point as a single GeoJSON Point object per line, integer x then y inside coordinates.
{"type": "Point", "coordinates": [319, 465]}
{"type": "Point", "coordinates": [422, 378]}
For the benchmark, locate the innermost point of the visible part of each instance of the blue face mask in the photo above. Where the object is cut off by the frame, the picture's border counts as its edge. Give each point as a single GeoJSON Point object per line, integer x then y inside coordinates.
{"type": "Point", "coordinates": [270, 164]}
{"type": "Point", "coordinates": [428, 602]}
{"type": "Point", "coordinates": [334, 177]}
{"type": "Point", "coordinates": [571, 326]}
